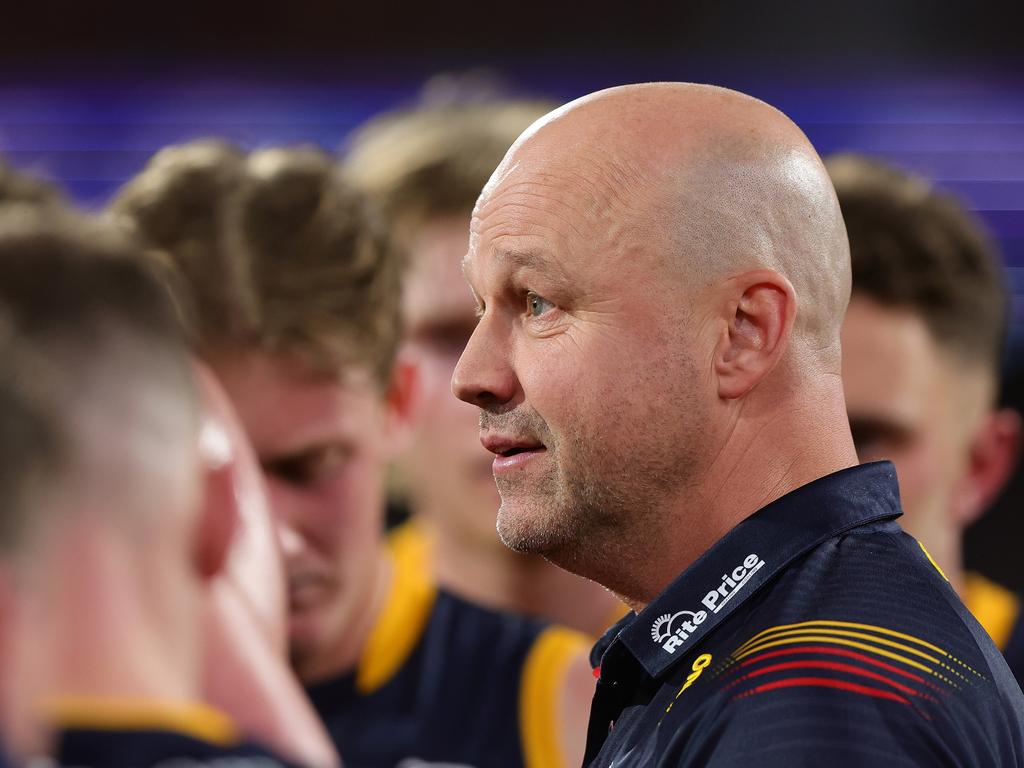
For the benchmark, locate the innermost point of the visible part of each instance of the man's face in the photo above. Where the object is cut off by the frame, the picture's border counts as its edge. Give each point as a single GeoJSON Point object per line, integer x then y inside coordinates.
{"type": "Point", "coordinates": [448, 472]}
{"type": "Point", "coordinates": [909, 402]}
{"type": "Point", "coordinates": [322, 446]}
{"type": "Point", "coordinates": [586, 365]}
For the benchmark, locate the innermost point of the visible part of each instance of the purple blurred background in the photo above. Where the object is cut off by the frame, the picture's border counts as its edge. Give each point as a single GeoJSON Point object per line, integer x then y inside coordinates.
{"type": "Point", "coordinates": [88, 91]}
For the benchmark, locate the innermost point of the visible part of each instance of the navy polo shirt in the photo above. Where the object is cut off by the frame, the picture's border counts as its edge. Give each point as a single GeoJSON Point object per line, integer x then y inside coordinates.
{"type": "Point", "coordinates": [816, 632]}
{"type": "Point", "coordinates": [147, 733]}
{"type": "Point", "coordinates": [152, 748]}
{"type": "Point", "coordinates": [444, 682]}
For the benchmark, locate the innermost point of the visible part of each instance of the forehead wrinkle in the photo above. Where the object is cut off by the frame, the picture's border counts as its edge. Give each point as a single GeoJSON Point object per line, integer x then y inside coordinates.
{"type": "Point", "coordinates": [528, 258]}
{"type": "Point", "coordinates": [606, 223]}
{"type": "Point", "coordinates": [525, 197]}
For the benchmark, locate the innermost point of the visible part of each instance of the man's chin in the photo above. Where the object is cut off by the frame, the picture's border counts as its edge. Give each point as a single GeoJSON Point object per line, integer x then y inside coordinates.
{"type": "Point", "coordinates": [304, 637]}
{"type": "Point", "coordinates": [527, 530]}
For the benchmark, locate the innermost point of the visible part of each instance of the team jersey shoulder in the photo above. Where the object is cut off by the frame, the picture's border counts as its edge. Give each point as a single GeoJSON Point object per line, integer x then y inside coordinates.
{"type": "Point", "coordinates": [445, 680]}
{"type": "Point", "coordinates": [542, 684]}
{"type": "Point", "coordinates": [998, 610]}
{"type": "Point", "coordinates": [849, 659]}
{"type": "Point", "coordinates": [144, 734]}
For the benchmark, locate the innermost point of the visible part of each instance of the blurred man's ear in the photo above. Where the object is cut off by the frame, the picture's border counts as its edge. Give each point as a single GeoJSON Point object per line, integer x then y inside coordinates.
{"type": "Point", "coordinates": [7, 618]}
{"type": "Point", "coordinates": [761, 312]}
{"type": "Point", "coordinates": [218, 517]}
{"type": "Point", "coordinates": [994, 451]}
{"type": "Point", "coordinates": [403, 402]}
{"type": "Point", "coordinates": [218, 511]}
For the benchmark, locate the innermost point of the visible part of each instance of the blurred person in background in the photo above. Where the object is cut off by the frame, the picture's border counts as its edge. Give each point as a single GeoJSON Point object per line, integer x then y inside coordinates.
{"type": "Point", "coordinates": [923, 343]}
{"type": "Point", "coordinates": [113, 523]}
{"type": "Point", "coordinates": [246, 670]}
{"type": "Point", "coordinates": [298, 303]}
{"type": "Point", "coordinates": [426, 168]}
{"type": "Point", "coordinates": [18, 187]}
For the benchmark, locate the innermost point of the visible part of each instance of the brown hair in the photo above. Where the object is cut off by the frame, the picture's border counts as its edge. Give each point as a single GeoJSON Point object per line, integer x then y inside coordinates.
{"type": "Point", "coordinates": [915, 247]}
{"type": "Point", "coordinates": [275, 250]}
{"type": "Point", "coordinates": [72, 293]}
{"type": "Point", "coordinates": [31, 448]}
{"type": "Point", "coordinates": [430, 162]}
{"type": "Point", "coordinates": [17, 187]}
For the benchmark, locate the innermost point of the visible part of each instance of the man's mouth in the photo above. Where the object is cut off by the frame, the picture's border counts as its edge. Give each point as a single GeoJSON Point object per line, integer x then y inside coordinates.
{"type": "Point", "coordinates": [305, 589]}
{"type": "Point", "coordinates": [511, 452]}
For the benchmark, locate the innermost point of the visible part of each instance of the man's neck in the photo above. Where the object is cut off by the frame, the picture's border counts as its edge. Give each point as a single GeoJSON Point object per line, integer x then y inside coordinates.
{"type": "Point", "coordinates": [500, 578]}
{"type": "Point", "coordinates": [340, 653]}
{"type": "Point", "coordinates": [106, 621]}
{"type": "Point", "coordinates": [768, 452]}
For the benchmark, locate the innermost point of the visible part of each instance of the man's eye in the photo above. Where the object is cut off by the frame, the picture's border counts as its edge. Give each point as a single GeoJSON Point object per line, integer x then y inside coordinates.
{"type": "Point", "coordinates": [309, 467]}
{"type": "Point", "coordinates": [448, 338]}
{"type": "Point", "coordinates": [537, 305]}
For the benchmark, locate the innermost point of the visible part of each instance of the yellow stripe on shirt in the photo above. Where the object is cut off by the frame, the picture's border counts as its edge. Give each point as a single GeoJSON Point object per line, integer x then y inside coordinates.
{"type": "Point", "coordinates": [128, 714]}
{"type": "Point", "coordinates": [540, 695]}
{"type": "Point", "coordinates": [996, 608]}
{"type": "Point", "coordinates": [404, 616]}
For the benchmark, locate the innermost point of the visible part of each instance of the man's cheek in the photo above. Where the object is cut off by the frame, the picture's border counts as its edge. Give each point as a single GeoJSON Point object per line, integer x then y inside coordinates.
{"type": "Point", "coordinates": [557, 366]}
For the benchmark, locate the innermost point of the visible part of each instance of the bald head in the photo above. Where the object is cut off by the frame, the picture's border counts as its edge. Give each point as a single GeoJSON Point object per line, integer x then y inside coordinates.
{"type": "Point", "coordinates": [717, 181]}
{"type": "Point", "coordinates": [660, 272]}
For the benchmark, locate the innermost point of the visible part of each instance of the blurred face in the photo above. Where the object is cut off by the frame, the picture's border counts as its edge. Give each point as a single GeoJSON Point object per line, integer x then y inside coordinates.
{"type": "Point", "coordinates": [322, 445]}
{"type": "Point", "coordinates": [909, 403]}
{"type": "Point", "coordinates": [583, 365]}
{"type": "Point", "coordinates": [448, 471]}
{"type": "Point", "coordinates": [235, 490]}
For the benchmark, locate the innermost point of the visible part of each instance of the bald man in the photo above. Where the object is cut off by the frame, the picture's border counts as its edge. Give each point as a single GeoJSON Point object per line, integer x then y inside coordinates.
{"type": "Point", "coordinates": [661, 273]}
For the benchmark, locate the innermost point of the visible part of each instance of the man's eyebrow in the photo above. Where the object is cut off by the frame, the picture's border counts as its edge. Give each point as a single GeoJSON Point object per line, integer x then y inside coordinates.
{"type": "Point", "coordinates": [519, 258]}
{"type": "Point", "coordinates": [513, 259]}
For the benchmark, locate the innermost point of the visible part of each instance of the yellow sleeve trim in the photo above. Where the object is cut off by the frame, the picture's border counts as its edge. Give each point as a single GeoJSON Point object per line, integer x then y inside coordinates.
{"type": "Point", "coordinates": [405, 613]}
{"type": "Point", "coordinates": [189, 719]}
{"type": "Point", "coordinates": [540, 695]}
{"type": "Point", "coordinates": [932, 561]}
{"type": "Point", "coordinates": [996, 608]}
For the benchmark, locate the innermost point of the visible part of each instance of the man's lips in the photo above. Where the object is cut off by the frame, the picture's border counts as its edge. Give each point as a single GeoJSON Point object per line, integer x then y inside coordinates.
{"type": "Point", "coordinates": [305, 589]}
{"type": "Point", "coordinates": [511, 452]}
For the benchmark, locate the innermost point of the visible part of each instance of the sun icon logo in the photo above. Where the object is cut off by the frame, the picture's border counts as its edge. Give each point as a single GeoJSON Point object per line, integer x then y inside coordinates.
{"type": "Point", "coordinates": [665, 620]}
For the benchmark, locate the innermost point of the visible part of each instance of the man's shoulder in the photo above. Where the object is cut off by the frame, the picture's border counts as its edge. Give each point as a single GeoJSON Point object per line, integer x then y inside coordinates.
{"type": "Point", "coordinates": [457, 629]}
{"type": "Point", "coordinates": [874, 575]}
{"type": "Point", "coordinates": [496, 654]}
{"type": "Point", "coordinates": [116, 733]}
{"type": "Point", "coordinates": [878, 587]}
{"type": "Point", "coordinates": [862, 651]}
{"type": "Point", "coordinates": [475, 687]}
{"type": "Point", "coordinates": [140, 748]}
{"type": "Point", "coordinates": [998, 610]}
{"type": "Point", "coordinates": [477, 627]}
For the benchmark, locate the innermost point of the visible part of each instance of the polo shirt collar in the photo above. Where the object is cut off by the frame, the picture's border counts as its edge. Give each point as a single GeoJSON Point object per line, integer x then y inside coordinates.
{"type": "Point", "coordinates": [746, 558]}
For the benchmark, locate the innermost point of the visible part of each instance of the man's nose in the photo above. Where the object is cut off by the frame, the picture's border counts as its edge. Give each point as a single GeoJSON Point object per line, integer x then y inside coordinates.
{"type": "Point", "coordinates": [288, 538]}
{"type": "Point", "coordinates": [290, 516]}
{"type": "Point", "coordinates": [484, 375]}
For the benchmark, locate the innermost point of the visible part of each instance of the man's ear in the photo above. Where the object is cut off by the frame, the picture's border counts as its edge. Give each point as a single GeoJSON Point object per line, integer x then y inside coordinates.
{"type": "Point", "coordinates": [761, 309]}
{"type": "Point", "coordinates": [403, 400]}
{"type": "Point", "coordinates": [218, 511]}
{"type": "Point", "coordinates": [994, 451]}
{"type": "Point", "coordinates": [218, 518]}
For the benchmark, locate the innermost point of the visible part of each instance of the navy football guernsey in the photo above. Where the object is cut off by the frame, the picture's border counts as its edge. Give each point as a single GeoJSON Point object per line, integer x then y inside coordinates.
{"type": "Point", "coordinates": [444, 681]}
{"type": "Point", "coordinates": [815, 633]}
{"type": "Point", "coordinates": [144, 734]}
{"type": "Point", "coordinates": [998, 611]}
